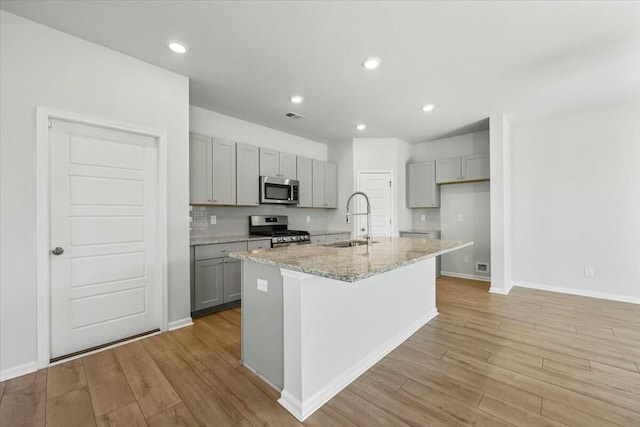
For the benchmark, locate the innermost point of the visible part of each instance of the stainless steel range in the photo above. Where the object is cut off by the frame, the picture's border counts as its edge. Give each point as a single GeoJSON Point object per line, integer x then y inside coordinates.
{"type": "Point", "coordinates": [277, 227]}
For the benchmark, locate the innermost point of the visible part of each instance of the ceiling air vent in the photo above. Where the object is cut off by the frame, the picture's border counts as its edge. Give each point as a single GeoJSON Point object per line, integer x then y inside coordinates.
{"type": "Point", "coordinates": [293, 115]}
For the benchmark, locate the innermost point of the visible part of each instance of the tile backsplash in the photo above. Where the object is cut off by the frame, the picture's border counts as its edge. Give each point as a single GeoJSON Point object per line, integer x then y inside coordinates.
{"type": "Point", "coordinates": [234, 220]}
{"type": "Point", "coordinates": [431, 222]}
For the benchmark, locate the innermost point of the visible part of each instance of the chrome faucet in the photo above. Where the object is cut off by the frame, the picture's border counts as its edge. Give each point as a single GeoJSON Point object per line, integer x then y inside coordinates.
{"type": "Point", "coordinates": [368, 214]}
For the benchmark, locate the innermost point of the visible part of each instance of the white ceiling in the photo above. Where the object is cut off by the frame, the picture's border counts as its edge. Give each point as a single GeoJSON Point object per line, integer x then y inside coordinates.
{"type": "Point", "coordinates": [471, 59]}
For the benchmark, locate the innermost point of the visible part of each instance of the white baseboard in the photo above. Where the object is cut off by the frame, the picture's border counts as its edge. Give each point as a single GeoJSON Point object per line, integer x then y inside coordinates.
{"type": "Point", "coordinates": [501, 291]}
{"type": "Point", "coordinates": [579, 292]}
{"type": "Point", "coordinates": [302, 410]}
{"type": "Point", "coordinates": [17, 371]}
{"type": "Point", "coordinates": [177, 324]}
{"type": "Point", "coordinates": [465, 276]}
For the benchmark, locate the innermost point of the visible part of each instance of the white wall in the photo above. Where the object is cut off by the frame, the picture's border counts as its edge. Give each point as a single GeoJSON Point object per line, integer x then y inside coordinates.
{"type": "Point", "coordinates": [42, 66]}
{"type": "Point", "coordinates": [209, 122]}
{"type": "Point", "coordinates": [386, 154]}
{"type": "Point", "coordinates": [471, 200]}
{"type": "Point", "coordinates": [576, 201]}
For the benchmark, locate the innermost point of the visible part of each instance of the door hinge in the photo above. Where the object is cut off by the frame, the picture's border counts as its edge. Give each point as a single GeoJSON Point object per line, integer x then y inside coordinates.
{"type": "Point", "coordinates": [389, 184]}
{"type": "Point", "coordinates": [50, 124]}
{"type": "Point", "coordinates": [389, 220]}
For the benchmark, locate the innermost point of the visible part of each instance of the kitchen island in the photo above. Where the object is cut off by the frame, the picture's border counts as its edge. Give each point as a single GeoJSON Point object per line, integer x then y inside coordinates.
{"type": "Point", "coordinates": [315, 317]}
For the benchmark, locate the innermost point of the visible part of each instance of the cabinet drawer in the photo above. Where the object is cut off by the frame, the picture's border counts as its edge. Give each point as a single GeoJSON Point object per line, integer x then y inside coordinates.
{"type": "Point", "coordinates": [219, 251]}
{"type": "Point", "coordinates": [427, 235]}
{"type": "Point", "coordinates": [258, 244]}
{"type": "Point", "coordinates": [318, 239]}
{"type": "Point", "coordinates": [337, 237]}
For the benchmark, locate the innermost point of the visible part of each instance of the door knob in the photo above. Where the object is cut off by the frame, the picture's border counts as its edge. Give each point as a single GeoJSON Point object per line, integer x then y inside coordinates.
{"type": "Point", "coordinates": [57, 250]}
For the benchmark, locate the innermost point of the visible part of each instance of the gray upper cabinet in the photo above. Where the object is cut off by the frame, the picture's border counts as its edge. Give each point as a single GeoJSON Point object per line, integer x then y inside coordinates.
{"type": "Point", "coordinates": [275, 163]}
{"type": "Point", "coordinates": [448, 170]}
{"type": "Point", "coordinates": [474, 167]}
{"type": "Point", "coordinates": [288, 166]}
{"type": "Point", "coordinates": [200, 170]}
{"type": "Point", "coordinates": [422, 188]}
{"type": "Point", "coordinates": [269, 162]}
{"type": "Point", "coordinates": [331, 185]}
{"type": "Point", "coordinates": [212, 171]}
{"type": "Point", "coordinates": [305, 177]}
{"type": "Point", "coordinates": [325, 184]}
{"type": "Point", "coordinates": [247, 177]}
{"type": "Point", "coordinates": [224, 172]}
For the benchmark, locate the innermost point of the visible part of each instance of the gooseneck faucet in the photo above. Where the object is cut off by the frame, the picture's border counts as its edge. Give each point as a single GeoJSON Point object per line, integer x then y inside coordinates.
{"type": "Point", "coordinates": [368, 214]}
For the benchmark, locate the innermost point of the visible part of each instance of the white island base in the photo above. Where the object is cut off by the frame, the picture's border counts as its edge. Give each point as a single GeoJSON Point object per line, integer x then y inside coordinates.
{"type": "Point", "coordinates": [334, 331]}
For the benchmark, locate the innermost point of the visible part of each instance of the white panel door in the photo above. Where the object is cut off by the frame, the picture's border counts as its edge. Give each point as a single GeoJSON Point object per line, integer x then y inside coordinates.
{"type": "Point", "coordinates": [104, 215]}
{"type": "Point", "coordinates": [377, 185]}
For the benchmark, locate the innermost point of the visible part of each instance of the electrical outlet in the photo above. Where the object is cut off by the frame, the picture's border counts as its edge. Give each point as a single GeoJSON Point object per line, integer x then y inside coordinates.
{"type": "Point", "coordinates": [460, 218]}
{"type": "Point", "coordinates": [588, 271]}
{"type": "Point", "coordinates": [214, 220]}
{"type": "Point", "coordinates": [263, 285]}
{"type": "Point", "coordinates": [466, 258]}
{"type": "Point", "coordinates": [423, 217]}
{"type": "Point", "coordinates": [308, 218]}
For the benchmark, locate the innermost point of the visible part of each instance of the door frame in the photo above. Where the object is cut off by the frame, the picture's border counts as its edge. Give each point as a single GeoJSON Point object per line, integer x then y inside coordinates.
{"type": "Point", "coordinates": [392, 174]}
{"type": "Point", "coordinates": [43, 279]}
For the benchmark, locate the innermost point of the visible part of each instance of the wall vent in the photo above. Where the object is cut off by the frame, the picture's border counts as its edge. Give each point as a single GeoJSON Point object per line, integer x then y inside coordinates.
{"type": "Point", "coordinates": [482, 267]}
{"type": "Point", "coordinates": [293, 115]}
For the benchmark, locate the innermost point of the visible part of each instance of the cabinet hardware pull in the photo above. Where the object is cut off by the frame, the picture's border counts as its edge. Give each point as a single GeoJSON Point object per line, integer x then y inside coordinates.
{"type": "Point", "coordinates": [223, 250]}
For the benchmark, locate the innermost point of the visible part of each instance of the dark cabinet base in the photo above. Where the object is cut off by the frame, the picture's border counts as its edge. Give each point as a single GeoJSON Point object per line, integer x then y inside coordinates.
{"type": "Point", "coordinates": [217, 308]}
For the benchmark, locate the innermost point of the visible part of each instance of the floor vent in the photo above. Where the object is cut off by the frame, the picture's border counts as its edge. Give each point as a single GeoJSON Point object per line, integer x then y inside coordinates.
{"type": "Point", "coordinates": [482, 267]}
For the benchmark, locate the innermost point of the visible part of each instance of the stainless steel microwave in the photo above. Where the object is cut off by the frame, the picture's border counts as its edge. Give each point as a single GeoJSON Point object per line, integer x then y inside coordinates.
{"type": "Point", "coordinates": [278, 190]}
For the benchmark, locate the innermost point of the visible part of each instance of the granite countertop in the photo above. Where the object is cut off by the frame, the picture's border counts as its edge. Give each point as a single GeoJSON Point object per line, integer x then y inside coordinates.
{"type": "Point", "coordinates": [416, 231]}
{"type": "Point", "coordinates": [198, 241]}
{"type": "Point", "coordinates": [352, 263]}
{"type": "Point", "coordinates": [327, 232]}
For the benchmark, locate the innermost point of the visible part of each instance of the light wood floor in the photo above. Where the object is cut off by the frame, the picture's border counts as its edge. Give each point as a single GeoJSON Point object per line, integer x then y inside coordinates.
{"type": "Point", "coordinates": [530, 358]}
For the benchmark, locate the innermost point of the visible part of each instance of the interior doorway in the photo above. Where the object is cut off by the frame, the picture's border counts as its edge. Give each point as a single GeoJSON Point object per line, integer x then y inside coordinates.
{"type": "Point", "coordinates": [377, 186]}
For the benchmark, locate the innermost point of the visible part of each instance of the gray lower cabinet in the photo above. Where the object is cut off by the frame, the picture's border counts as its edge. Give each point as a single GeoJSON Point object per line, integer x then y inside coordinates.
{"type": "Point", "coordinates": [216, 278]}
{"type": "Point", "coordinates": [208, 283]}
{"type": "Point", "coordinates": [430, 235]}
{"type": "Point", "coordinates": [232, 280]}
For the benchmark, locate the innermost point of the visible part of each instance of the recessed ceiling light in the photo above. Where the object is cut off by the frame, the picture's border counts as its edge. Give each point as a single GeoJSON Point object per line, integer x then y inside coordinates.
{"type": "Point", "coordinates": [361, 126]}
{"type": "Point", "coordinates": [176, 46]}
{"type": "Point", "coordinates": [428, 107]}
{"type": "Point", "coordinates": [296, 99]}
{"type": "Point", "coordinates": [371, 63]}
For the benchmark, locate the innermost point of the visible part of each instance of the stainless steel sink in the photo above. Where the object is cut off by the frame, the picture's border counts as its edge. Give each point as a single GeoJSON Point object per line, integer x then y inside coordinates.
{"type": "Point", "coordinates": [347, 243]}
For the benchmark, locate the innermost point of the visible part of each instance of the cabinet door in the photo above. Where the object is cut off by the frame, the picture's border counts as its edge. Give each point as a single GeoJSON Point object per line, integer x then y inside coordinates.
{"type": "Point", "coordinates": [208, 283]}
{"type": "Point", "coordinates": [305, 176]}
{"type": "Point", "coordinates": [475, 167]}
{"type": "Point", "coordinates": [224, 172]}
{"type": "Point", "coordinates": [288, 166]}
{"type": "Point", "coordinates": [247, 175]}
{"type": "Point", "coordinates": [269, 162]}
{"type": "Point", "coordinates": [232, 279]}
{"type": "Point", "coordinates": [331, 185]}
{"type": "Point", "coordinates": [200, 178]}
{"type": "Point", "coordinates": [258, 244]}
{"type": "Point", "coordinates": [448, 170]}
{"type": "Point", "coordinates": [318, 170]}
{"type": "Point", "coordinates": [423, 191]}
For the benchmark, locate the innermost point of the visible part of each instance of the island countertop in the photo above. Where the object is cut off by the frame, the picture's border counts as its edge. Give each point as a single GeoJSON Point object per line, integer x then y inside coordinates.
{"type": "Point", "coordinates": [351, 264]}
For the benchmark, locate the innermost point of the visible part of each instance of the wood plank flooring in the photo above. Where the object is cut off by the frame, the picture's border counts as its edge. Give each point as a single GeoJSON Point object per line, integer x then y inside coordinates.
{"type": "Point", "coordinates": [531, 358]}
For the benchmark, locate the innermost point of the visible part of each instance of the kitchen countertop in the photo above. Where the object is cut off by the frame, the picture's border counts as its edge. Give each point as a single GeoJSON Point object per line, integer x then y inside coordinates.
{"type": "Point", "coordinates": [352, 263]}
{"type": "Point", "coordinates": [415, 231]}
{"type": "Point", "coordinates": [198, 241]}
